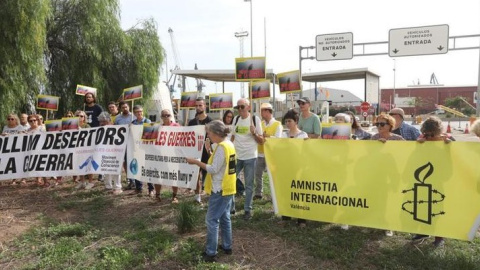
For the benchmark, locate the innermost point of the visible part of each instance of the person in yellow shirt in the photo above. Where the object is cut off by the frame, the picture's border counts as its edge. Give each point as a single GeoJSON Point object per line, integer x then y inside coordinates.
{"type": "Point", "coordinates": [271, 128]}
{"type": "Point", "coordinates": [220, 183]}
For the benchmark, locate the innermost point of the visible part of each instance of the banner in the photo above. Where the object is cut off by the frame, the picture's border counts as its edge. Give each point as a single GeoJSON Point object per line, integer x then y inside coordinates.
{"type": "Point", "coordinates": [45, 102]}
{"type": "Point", "coordinates": [187, 100]}
{"type": "Point", "coordinates": [132, 93]}
{"type": "Point", "coordinates": [260, 89]}
{"type": "Point", "coordinates": [336, 131]}
{"type": "Point", "coordinates": [252, 68]}
{"type": "Point", "coordinates": [289, 82]}
{"type": "Point", "coordinates": [221, 101]}
{"type": "Point", "coordinates": [163, 161]}
{"type": "Point", "coordinates": [62, 153]}
{"type": "Point", "coordinates": [429, 188]}
{"type": "Point", "coordinates": [82, 90]}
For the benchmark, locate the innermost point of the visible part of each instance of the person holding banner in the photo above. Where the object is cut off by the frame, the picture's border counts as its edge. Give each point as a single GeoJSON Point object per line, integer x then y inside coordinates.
{"type": "Point", "coordinates": [35, 128]}
{"type": "Point", "coordinates": [167, 121]}
{"type": "Point", "coordinates": [92, 110]}
{"type": "Point", "coordinates": [308, 121]}
{"type": "Point", "coordinates": [24, 121]}
{"type": "Point", "coordinates": [13, 125]}
{"type": "Point", "coordinates": [385, 124]}
{"type": "Point", "coordinates": [247, 134]}
{"type": "Point", "coordinates": [105, 119]}
{"type": "Point", "coordinates": [291, 122]}
{"type": "Point", "coordinates": [82, 123]}
{"type": "Point", "coordinates": [431, 130]}
{"type": "Point", "coordinates": [140, 120]}
{"type": "Point", "coordinates": [271, 129]}
{"type": "Point", "coordinates": [220, 184]}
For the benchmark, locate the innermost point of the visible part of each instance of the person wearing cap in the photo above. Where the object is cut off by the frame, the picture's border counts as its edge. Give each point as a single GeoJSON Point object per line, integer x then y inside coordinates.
{"type": "Point", "coordinates": [308, 122]}
{"type": "Point", "coordinates": [247, 134]}
{"type": "Point", "coordinates": [401, 128]}
{"type": "Point", "coordinates": [271, 128]}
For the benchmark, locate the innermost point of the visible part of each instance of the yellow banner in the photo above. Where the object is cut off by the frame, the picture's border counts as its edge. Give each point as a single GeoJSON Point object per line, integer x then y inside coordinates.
{"type": "Point", "coordinates": [431, 188]}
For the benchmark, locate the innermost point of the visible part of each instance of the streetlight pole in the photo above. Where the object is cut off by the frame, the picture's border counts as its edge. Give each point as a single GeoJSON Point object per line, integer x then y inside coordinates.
{"type": "Point", "coordinates": [251, 28]}
{"type": "Point", "coordinates": [394, 75]}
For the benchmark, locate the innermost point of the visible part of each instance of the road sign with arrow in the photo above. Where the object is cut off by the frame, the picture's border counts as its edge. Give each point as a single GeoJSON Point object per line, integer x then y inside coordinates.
{"type": "Point", "coordinates": [421, 40]}
{"type": "Point", "coordinates": [334, 46]}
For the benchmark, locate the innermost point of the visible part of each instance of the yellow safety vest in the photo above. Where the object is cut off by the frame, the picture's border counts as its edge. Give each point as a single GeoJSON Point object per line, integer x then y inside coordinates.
{"type": "Point", "coordinates": [270, 131]}
{"type": "Point", "coordinates": [229, 186]}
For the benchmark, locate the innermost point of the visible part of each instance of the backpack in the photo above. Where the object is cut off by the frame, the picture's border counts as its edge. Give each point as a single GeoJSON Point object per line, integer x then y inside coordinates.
{"type": "Point", "coordinates": [235, 120]}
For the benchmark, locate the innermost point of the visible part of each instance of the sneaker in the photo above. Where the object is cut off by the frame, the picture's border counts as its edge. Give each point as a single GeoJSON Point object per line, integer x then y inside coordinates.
{"type": "Point", "coordinates": [117, 191]}
{"type": "Point", "coordinates": [226, 251]}
{"type": "Point", "coordinates": [247, 215]}
{"type": "Point", "coordinates": [418, 237]}
{"type": "Point", "coordinates": [208, 258]}
{"type": "Point", "coordinates": [130, 186]}
{"type": "Point", "coordinates": [174, 200]}
{"type": "Point", "coordinates": [80, 185]}
{"type": "Point", "coordinates": [388, 233]}
{"type": "Point", "coordinates": [439, 242]}
{"type": "Point", "coordinates": [233, 212]}
{"type": "Point", "coordinates": [89, 186]}
{"type": "Point", "coordinates": [344, 227]}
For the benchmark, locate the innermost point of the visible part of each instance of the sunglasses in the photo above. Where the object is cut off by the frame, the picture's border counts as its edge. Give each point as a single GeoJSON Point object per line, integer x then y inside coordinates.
{"type": "Point", "coordinates": [241, 107]}
{"type": "Point", "coordinates": [32, 120]}
{"type": "Point", "coordinates": [82, 116]}
{"type": "Point", "coordinates": [166, 115]}
{"type": "Point", "coordinates": [301, 103]}
{"type": "Point", "coordinates": [10, 119]}
{"type": "Point", "coordinates": [381, 124]}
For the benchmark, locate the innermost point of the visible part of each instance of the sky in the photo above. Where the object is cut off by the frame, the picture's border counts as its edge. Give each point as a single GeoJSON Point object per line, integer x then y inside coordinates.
{"type": "Point", "coordinates": [204, 35]}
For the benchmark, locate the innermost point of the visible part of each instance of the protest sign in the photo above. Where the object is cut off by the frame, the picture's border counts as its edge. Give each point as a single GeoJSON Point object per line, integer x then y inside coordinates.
{"type": "Point", "coordinates": [248, 69]}
{"type": "Point", "coordinates": [82, 90]}
{"type": "Point", "coordinates": [260, 89]}
{"type": "Point", "coordinates": [289, 82]}
{"type": "Point", "coordinates": [221, 101]}
{"type": "Point", "coordinates": [45, 102]}
{"type": "Point", "coordinates": [132, 93]}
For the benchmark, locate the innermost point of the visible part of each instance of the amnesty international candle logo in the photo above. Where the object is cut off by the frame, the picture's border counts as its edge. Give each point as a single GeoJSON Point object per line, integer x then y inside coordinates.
{"type": "Point", "coordinates": [423, 196]}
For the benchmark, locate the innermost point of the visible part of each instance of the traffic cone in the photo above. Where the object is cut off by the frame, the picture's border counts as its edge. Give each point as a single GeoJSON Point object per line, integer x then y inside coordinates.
{"type": "Point", "coordinates": [466, 129]}
{"type": "Point", "coordinates": [449, 129]}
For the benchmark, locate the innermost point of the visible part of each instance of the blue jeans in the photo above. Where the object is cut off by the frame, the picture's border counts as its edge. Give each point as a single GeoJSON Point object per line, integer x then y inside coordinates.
{"type": "Point", "coordinates": [248, 167]}
{"type": "Point", "coordinates": [218, 215]}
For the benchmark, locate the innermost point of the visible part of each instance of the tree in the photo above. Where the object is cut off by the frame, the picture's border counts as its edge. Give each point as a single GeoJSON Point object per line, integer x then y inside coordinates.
{"type": "Point", "coordinates": [87, 46]}
{"type": "Point", "coordinates": [50, 46]}
{"type": "Point", "coordinates": [22, 42]}
{"type": "Point", "coordinates": [460, 104]}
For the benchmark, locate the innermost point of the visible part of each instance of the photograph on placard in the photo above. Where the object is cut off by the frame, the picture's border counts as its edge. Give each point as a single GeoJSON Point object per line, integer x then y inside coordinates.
{"type": "Point", "coordinates": [289, 82]}
{"type": "Point", "coordinates": [45, 102]}
{"type": "Point", "coordinates": [336, 131]}
{"type": "Point", "coordinates": [53, 125]}
{"type": "Point", "coordinates": [132, 93]}
{"type": "Point", "coordinates": [82, 90]}
{"type": "Point", "coordinates": [221, 101]}
{"type": "Point", "coordinates": [187, 100]}
{"type": "Point", "coordinates": [260, 89]}
{"type": "Point", "coordinates": [150, 131]}
{"type": "Point", "coordinates": [252, 68]}
{"type": "Point", "coordinates": [69, 123]}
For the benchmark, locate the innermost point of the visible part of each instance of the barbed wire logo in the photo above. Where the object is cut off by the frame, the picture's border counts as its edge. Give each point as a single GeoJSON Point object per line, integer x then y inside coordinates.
{"type": "Point", "coordinates": [423, 196]}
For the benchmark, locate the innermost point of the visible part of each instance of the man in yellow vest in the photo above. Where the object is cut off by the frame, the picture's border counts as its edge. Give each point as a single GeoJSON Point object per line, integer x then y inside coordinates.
{"type": "Point", "coordinates": [271, 128]}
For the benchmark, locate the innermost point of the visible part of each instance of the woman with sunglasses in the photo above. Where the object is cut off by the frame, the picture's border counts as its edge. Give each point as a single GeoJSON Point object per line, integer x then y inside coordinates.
{"type": "Point", "coordinates": [13, 125]}
{"type": "Point", "coordinates": [431, 130]}
{"type": "Point", "coordinates": [35, 128]}
{"type": "Point", "coordinates": [82, 123]}
{"type": "Point", "coordinates": [167, 121]}
{"type": "Point", "coordinates": [385, 124]}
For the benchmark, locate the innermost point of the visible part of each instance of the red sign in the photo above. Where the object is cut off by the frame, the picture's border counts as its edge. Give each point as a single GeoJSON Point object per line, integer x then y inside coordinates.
{"type": "Point", "coordinates": [365, 106]}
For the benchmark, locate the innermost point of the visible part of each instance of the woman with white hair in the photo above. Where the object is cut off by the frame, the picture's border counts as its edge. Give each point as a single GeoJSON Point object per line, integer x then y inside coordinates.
{"type": "Point", "coordinates": [221, 185]}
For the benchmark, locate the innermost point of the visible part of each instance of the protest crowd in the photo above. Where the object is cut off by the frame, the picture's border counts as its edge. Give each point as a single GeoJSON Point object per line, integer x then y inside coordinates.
{"type": "Point", "coordinates": [232, 161]}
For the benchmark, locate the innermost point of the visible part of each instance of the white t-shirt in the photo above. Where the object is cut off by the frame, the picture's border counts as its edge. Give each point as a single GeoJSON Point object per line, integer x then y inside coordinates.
{"type": "Point", "coordinates": [245, 143]}
{"type": "Point", "coordinates": [300, 135]}
{"type": "Point", "coordinates": [14, 130]}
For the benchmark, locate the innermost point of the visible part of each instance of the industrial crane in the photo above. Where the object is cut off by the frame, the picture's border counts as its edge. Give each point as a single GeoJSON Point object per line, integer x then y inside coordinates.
{"type": "Point", "coordinates": [178, 64]}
